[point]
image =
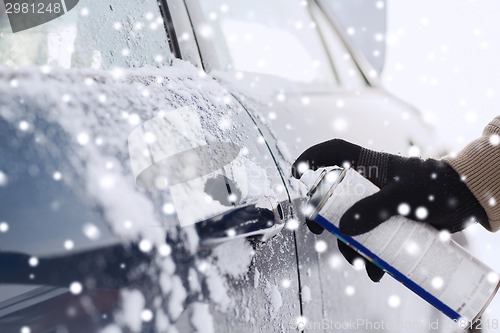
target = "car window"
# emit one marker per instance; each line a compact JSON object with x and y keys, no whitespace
{"x":43,"y":211}
{"x":270,"y":37}
{"x":93,"y":34}
{"x":348,"y":72}
{"x":365,"y":26}
{"x":66,"y":180}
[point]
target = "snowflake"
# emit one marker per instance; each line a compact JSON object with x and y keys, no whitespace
{"x":292,"y":224}
{"x":421,"y":213}
{"x":24,"y":125}
{"x":298,"y":25}
{"x":444,"y":235}
{"x":69,"y":244}
{"x":493,"y":277}
{"x":4,"y":227}
{"x":340,"y":124}
{"x":107,"y":182}
{"x":146,"y":315}
{"x":3,"y":178}
{"x":495,"y":139}
{"x":56,"y":176}
{"x":320,"y":246}
{"x":414,"y":151}
{"x":164,"y":250}
{"x":83,"y":138}
{"x":75,"y":288}
{"x":212,"y":16}
{"x":33,"y":261}
{"x":404,"y":209}
{"x":350,"y":290}
{"x":437,"y":282}
{"x":145,"y":245}
{"x":335,"y":261}
{"x":286,"y":283}
{"x":134,"y":119}
{"x":128,"y":224}
{"x":412,"y":247}
{"x":358,"y":264}
{"x":205,"y":31}
{"x":379,"y":37}
{"x":91,"y":231}
{"x":231,"y":232}
{"x":394,"y":301}
{"x":301,"y":322}
{"x":168,"y":208}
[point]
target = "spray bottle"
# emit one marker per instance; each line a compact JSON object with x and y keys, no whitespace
{"x":422,"y":258}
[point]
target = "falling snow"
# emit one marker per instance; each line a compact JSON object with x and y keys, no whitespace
{"x":320,"y":246}
{"x":350,"y":290}
{"x":394,"y":301}
{"x":91,"y":231}
{"x":404,"y":209}
{"x":437,"y":282}
{"x":69,"y":244}
{"x":33,"y":261}
{"x":494,"y":139}
{"x":75,"y":288}
{"x":421,"y":213}
{"x":4,"y":227}
{"x":146,"y":315}
{"x":292,"y":224}
{"x":145,"y":245}
{"x":3,"y":178}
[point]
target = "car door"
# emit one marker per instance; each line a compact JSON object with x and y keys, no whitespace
{"x":77,"y":223}
{"x":305,"y":105}
{"x":268,"y":297}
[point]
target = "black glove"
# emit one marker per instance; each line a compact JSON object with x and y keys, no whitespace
{"x":432,"y":190}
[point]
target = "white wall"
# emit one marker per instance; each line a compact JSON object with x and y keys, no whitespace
{"x":444,"y":57}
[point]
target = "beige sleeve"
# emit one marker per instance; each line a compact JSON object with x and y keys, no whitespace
{"x":479,"y":164}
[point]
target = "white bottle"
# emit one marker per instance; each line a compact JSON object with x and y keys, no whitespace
{"x":425,"y":260}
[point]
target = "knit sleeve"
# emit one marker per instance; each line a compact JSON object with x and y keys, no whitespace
{"x":479,"y":165}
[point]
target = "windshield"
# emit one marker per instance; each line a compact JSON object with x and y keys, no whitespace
{"x":82,"y":34}
{"x":278,"y":38}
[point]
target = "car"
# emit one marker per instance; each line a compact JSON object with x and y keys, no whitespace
{"x":97,"y":102}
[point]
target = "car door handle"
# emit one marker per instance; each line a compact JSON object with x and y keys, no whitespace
{"x":262,"y":220}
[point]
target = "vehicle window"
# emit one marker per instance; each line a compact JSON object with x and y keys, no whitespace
{"x":365,"y":25}
{"x":93,"y":34}
{"x":43,"y":212}
{"x":270,"y":37}
{"x":348,"y":72}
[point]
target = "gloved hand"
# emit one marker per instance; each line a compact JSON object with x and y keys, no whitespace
{"x":429,"y":190}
